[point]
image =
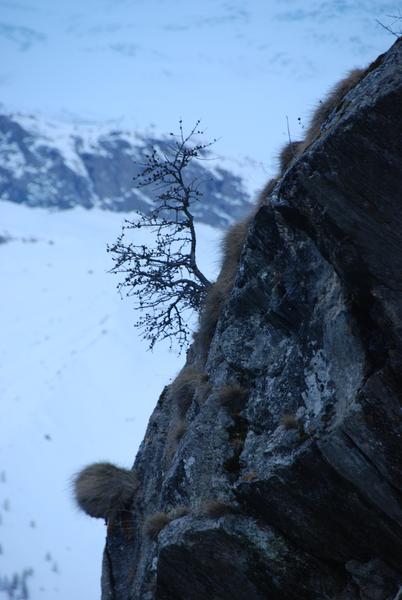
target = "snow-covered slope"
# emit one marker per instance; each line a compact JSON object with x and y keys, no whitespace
{"x":76,"y":385}
{"x":52,"y":164}
{"x":240,"y":67}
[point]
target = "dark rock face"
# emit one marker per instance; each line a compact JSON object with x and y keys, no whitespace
{"x":52,"y":166}
{"x":312,"y":330}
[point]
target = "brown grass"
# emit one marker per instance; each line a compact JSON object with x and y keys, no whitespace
{"x":265,"y":192}
{"x":159,"y":520}
{"x":290,"y":421}
{"x":233,"y":397}
{"x":232,"y":246}
{"x":155,"y":523}
{"x":179,"y":430}
{"x":182,"y":389}
{"x":179,"y":512}
{"x":250,"y":476}
{"x":217,"y":508}
{"x":102,"y":489}
{"x":288,"y":153}
{"x":332,"y":101}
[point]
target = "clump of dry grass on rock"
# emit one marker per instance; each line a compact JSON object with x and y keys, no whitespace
{"x":159,"y":520}
{"x":102,"y":489}
{"x":217,"y":508}
{"x":182,"y":389}
{"x":233,"y":397}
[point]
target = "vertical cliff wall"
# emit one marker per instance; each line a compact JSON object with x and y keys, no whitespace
{"x":273,"y":468}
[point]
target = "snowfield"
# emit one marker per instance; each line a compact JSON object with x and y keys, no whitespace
{"x":77,"y":385}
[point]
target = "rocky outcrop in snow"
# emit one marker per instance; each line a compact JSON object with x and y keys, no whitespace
{"x":58,"y":166}
{"x":285,"y":447}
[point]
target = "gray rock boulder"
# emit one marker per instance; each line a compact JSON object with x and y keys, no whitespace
{"x":285,"y":446}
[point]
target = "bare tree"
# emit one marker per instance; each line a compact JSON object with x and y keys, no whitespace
{"x":394,"y":27}
{"x":165,"y":279}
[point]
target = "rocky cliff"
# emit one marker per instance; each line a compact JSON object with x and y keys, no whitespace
{"x":272,"y":468}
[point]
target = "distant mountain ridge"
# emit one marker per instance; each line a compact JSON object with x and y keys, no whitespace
{"x":54,"y":165}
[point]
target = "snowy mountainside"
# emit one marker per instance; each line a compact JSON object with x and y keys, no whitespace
{"x":241,"y":68}
{"x":59,"y":165}
{"x":77,"y":385}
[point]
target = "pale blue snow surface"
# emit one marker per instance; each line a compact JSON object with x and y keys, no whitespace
{"x":77,"y":385}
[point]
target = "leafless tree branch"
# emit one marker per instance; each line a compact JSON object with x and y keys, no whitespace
{"x":390,"y":27}
{"x":164,"y":279}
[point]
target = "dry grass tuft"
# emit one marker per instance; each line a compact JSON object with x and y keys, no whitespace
{"x":233,"y":397}
{"x":182,"y":389}
{"x":179,"y":512}
{"x":217,"y":508}
{"x":232,"y":246}
{"x":155,"y":523}
{"x":331,"y":102}
{"x":179,"y":430}
{"x":103,"y":489}
{"x":288,"y":153}
{"x":159,"y":520}
{"x":290,"y":421}
{"x":250,"y":476}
